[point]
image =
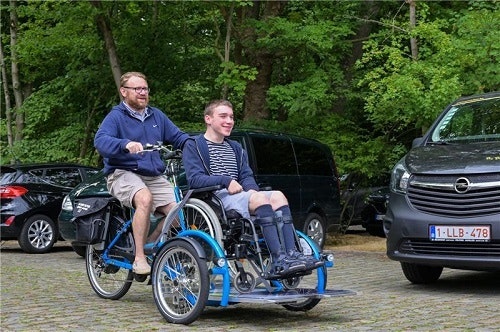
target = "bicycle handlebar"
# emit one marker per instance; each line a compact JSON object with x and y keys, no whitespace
{"x":169,"y":153}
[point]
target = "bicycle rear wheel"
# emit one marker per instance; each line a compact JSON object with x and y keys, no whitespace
{"x":108,"y":281}
{"x":180,"y":282}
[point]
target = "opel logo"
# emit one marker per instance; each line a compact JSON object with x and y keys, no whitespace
{"x":462,"y":185}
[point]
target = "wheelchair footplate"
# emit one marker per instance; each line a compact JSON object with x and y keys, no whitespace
{"x":285,"y":296}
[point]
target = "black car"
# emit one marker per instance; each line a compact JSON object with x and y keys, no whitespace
{"x":31,"y":196}
{"x":374,"y":212}
{"x":303,"y":169}
{"x":444,"y":206}
{"x":364,"y":201}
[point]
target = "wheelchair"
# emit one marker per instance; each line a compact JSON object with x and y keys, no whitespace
{"x":218,"y":258}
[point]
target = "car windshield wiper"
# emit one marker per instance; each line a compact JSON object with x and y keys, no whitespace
{"x":438,"y":143}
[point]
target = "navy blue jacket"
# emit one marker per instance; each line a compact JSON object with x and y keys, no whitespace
{"x":119,"y":128}
{"x":196,"y":161}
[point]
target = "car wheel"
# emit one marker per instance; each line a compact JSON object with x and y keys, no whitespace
{"x":314,"y":227}
{"x":421,"y":274}
{"x":80,"y":250}
{"x":38,"y":235}
{"x":375,"y":230}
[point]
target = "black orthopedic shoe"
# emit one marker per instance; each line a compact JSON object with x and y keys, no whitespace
{"x":283,"y":267}
{"x":310,"y":262}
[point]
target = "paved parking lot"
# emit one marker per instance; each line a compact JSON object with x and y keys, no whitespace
{"x":51,"y":293}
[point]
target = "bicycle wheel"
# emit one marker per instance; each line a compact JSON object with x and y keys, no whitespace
{"x":108,"y":281}
{"x":302,"y":283}
{"x":180,"y":282}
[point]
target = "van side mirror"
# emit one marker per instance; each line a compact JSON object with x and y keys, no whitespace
{"x":417,"y":142}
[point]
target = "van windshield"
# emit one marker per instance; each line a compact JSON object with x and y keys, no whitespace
{"x":475,"y":120}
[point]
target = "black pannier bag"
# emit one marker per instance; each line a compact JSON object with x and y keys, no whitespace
{"x":89,"y":216}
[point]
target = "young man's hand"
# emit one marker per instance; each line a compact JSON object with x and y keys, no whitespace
{"x":234,"y":187}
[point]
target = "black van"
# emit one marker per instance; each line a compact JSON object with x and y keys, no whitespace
{"x":304,"y":170}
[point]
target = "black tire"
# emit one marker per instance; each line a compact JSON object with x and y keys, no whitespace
{"x":308,"y":281}
{"x":375,"y":230}
{"x":314,"y":227}
{"x":38,"y":235}
{"x":79,"y":249}
{"x":198,"y":215}
{"x":108,"y":281}
{"x":180,"y":282}
{"x":421,"y":274}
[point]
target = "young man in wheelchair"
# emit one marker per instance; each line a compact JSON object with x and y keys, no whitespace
{"x":212,"y":159}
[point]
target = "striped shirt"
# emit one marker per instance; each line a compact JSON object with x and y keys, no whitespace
{"x":222,"y":159}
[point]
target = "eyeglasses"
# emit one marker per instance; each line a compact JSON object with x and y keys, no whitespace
{"x":138,"y":89}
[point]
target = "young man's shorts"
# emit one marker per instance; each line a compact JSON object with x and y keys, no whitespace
{"x":125,"y":184}
{"x":238,"y":202}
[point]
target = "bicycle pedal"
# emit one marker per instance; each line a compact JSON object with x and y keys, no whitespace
{"x":141,"y":278}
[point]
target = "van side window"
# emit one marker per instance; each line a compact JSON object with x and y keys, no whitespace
{"x":274,"y":156}
{"x":312,"y":160}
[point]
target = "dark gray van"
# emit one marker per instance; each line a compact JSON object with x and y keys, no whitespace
{"x":444,"y":205}
{"x":304,"y":170}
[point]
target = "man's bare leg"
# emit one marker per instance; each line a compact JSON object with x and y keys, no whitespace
{"x":157,"y":231}
{"x":140,"y":227}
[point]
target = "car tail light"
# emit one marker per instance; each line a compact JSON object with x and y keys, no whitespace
{"x":9,"y":220}
{"x":12,"y":191}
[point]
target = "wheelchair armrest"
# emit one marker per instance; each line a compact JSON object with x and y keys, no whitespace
{"x":205,"y":189}
{"x":266,"y":188}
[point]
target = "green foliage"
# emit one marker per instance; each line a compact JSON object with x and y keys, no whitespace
{"x":235,"y":76}
{"x":404,"y":93}
{"x":178,"y":45}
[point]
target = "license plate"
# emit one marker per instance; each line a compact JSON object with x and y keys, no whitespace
{"x":460,"y":233}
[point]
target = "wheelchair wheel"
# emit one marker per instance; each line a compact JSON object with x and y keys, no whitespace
{"x":180,"y":282}
{"x":197,"y":215}
{"x":309,"y":281}
{"x":108,"y":281}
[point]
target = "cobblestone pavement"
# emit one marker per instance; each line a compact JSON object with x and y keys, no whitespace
{"x":51,"y":293}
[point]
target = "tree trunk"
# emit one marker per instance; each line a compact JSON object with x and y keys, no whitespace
{"x":16,"y":84}
{"x":8,"y":106}
{"x":256,"y":91}
{"x":413,"y":22}
{"x":105,"y":29}
{"x":370,"y":9}
{"x":228,"y":17}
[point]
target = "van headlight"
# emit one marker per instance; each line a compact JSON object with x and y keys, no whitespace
{"x":400,"y":177}
{"x":66,"y":204}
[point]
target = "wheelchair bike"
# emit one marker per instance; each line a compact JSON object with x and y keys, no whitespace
{"x":204,"y":256}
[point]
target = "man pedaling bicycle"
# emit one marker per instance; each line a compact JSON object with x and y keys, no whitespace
{"x":212,"y":159}
{"x":136,"y":179}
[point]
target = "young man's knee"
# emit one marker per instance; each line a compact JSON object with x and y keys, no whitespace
{"x":259,"y":198}
{"x":278,"y":198}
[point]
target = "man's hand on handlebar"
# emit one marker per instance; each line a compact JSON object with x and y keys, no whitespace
{"x":134,"y":147}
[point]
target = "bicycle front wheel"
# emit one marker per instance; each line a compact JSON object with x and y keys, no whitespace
{"x":108,"y":281}
{"x":180,"y":282}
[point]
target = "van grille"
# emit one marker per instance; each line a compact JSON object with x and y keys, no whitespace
{"x":438,"y":195}
{"x":470,"y":249}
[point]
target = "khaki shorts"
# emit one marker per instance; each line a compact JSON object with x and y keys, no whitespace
{"x":125,"y":184}
{"x":238,"y":202}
